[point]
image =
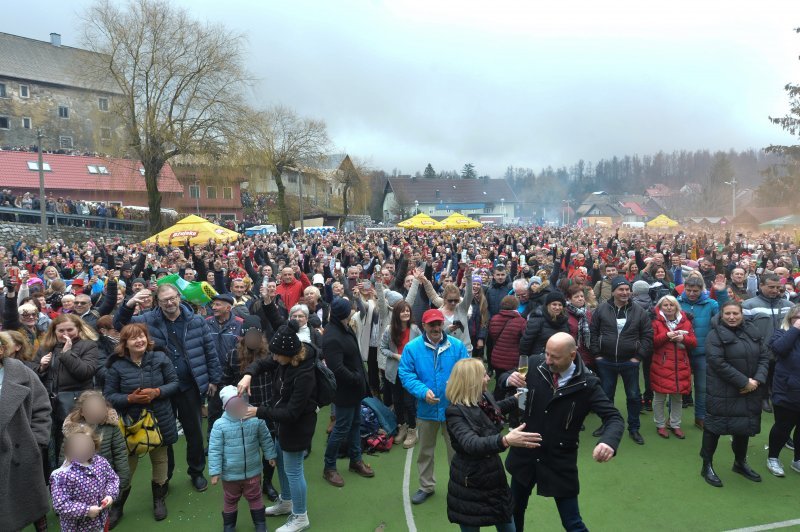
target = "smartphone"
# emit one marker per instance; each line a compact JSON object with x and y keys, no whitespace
{"x":377,"y":268}
{"x":338,"y":265}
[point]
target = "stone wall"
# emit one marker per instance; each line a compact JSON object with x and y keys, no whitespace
{"x":12,"y":232}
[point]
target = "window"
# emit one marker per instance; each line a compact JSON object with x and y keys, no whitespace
{"x":103,"y":170}
{"x":63,"y":111}
{"x":225,"y":217}
{"x":26,"y":122}
{"x":306,"y":180}
{"x":24,"y":92}
{"x":211,"y":192}
{"x":4,"y":122}
{"x":65,"y":142}
{"x":3,"y":90}
{"x":292,"y":178}
{"x":92,"y":169}
{"x":141,"y":170}
{"x":33,"y":165}
{"x":105,"y":133}
{"x":438,"y":193}
{"x":103,"y":104}
{"x":227,"y":192}
{"x":194,"y":191}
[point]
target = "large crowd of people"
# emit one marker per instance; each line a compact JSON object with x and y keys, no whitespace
{"x":494,"y":340}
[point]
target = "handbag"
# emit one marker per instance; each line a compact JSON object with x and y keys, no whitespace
{"x":142,"y":435}
{"x":62,"y":403}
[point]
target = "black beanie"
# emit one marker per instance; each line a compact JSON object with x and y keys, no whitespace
{"x":555,"y":296}
{"x":251,"y":322}
{"x":285,"y":341}
{"x":340,"y":309}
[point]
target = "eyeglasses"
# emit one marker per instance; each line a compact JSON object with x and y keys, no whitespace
{"x":28,"y":315}
{"x":172,"y":299}
{"x":81,"y":302}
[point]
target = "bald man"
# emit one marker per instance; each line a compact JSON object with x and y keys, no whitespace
{"x":561,"y":393}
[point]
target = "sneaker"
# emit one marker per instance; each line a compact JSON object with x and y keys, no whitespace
{"x":295,"y":523}
{"x":420,"y":496}
{"x":402,"y":432}
{"x":411,"y":439}
{"x":281,"y":507}
{"x":775,"y":467}
{"x":796,"y":466}
{"x":789,"y":445}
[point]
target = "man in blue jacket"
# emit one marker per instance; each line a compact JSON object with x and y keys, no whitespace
{"x":187,"y":341}
{"x":226,"y":328}
{"x":425,"y":367}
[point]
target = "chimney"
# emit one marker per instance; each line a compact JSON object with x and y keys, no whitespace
{"x":55,"y":39}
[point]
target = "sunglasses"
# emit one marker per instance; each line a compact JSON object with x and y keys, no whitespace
{"x":28,"y":315}
{"x":453,"y":300}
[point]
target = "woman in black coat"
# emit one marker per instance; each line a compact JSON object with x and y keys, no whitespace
{"x":738,"y":360}
{"x":138,"y":378}
{"x":544,"y":323}
{"x":478,"y":493}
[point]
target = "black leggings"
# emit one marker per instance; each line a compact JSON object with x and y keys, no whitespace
{"x":405,"y":406}
{"x":373,"y":375}
{"x":785,"y":420}
{"x":710,"y":441}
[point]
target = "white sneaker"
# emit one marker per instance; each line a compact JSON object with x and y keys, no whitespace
{"x":796,"y":466}
{"x":295,"y":523}
{"x":775,"y":467}
{"x":280,"y":507}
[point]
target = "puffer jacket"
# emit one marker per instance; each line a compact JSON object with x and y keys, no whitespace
{"x":766,"y":314}
{"x":156,"y":371}
{"x":204,"y":362}
{"x":671,"y":371}
{"x":235,"y":447}
{"x":478,"y":493}
{"x":786,"y":382}
{"x":702,"y":310}
{"x":424,"y":367}
{"x":505,"y":332}
{"x":634,"y":340}
{"x":225,"y":335}
{"x":539,"y":329}
{"x":733,"y":357}
{"x":112,"y":446}
{"x":494,"y":293}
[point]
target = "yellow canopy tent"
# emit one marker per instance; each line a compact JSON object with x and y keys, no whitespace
{"x":197,"y":230}
{"x":662,"y":220}
{"x":459,"y":221}
{"x":421,"y":221}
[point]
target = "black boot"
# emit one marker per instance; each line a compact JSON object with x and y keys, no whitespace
{"x":115,"y":514}
{"x":259,"y":520}
{"x":711,"y":477}
{"x":229,"y":521}
{"x":266,"y":484}
{"x":159,"y":504}
{"x":744,"y":469}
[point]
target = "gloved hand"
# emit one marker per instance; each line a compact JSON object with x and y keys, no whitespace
{"x":151,"y":393}
{"x":138,"y":398}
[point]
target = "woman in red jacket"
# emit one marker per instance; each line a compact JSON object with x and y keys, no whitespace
{"x":505,"y":333}
{"x":670,"y":372}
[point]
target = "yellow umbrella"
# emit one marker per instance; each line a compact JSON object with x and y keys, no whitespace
{"x":197,"y":230}
{"x":459,"y":221}
{"x":421,"y":221}
{"x":662,"y":220}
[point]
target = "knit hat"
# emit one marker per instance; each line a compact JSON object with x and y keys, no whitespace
{"x":285,"y":341}
{"x":251,"y":323}
{"x":228,"y":393}
{"x":641,"y":287}
{"x":618,"y":281}
{"x":477,"y":279}
{"x":536,"y":280}
{"x":552,"y":297}
{"x":340,"y":308}
{"x":392,"y":297}
{"x":139,"y":280}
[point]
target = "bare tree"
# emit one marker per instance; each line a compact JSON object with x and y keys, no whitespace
{"x":278,"y":139}
{"x":350,"y":177}
{"x":182,"y":81}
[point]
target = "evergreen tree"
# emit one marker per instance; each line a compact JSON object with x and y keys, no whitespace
{"x":429,"y":172}
{"x":468,"y":172}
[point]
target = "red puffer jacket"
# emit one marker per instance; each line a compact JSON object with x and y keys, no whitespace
{"x":505,"y":331}
{"x":670,"y":371}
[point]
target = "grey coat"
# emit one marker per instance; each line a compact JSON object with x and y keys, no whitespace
{"x":388,"y":350}
{"x":24,"y":429}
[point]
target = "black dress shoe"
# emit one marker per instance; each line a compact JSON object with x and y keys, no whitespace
{"x":744,"y":469}
{"x":710,"y":476}
{"x":599,"y":431}
{"x":200,"y":483}
{"x":637,"y":438}
{"x":269,"y":490}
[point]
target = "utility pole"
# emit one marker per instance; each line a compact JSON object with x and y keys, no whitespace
{"x":300,"y":189}
{"x":42,"y":199}
{"x":733,"y":183}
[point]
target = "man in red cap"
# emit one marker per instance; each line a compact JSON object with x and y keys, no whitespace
{"x":425,"y":367}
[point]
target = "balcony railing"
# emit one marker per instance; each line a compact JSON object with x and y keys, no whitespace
{"x":27,"y":216}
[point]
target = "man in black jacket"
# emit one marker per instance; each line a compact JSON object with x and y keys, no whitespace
{"x":621,"y":337}
{"x":561,"y":393}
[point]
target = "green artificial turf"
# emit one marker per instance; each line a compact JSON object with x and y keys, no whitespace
{"x":652,"y":487}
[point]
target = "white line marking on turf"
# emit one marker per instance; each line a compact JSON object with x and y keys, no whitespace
{"x":768,"y":526}
{"x":412,"y":527}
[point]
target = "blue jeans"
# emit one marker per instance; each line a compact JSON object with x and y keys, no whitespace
{"x":505,"y":527}
{"x":568,"y":509}
{"x":347,"y":428}
{"x":629,"y":371}
{"x":293,"y":478}
{"x":698,"y":364}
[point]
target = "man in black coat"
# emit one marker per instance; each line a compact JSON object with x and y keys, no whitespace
{"x":561,"y":393}
{"x":621,"y":338}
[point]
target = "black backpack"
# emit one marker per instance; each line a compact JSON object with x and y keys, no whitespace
{"x":326,"y":383}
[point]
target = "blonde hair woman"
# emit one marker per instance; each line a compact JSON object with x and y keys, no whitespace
{"x":478,"y":493}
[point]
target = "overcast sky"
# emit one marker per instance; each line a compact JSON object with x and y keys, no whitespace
{"x":524,"y":83}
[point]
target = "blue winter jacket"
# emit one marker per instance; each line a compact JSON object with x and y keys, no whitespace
{"x":424,"y":367}
{"x":235,"y":447}
{"x":225,"y":335}
{"x":786,"y":383}
{"x":198,"y":342}
{"x":702,"y":311}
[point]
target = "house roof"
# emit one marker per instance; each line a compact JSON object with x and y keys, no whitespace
{"x":761,"y":214}
{"x":30,"y":59}
{"x":635,"y":208}
{"x":658,"y":190}
{"x":71,"y":172}
{"x":450,"y":190}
